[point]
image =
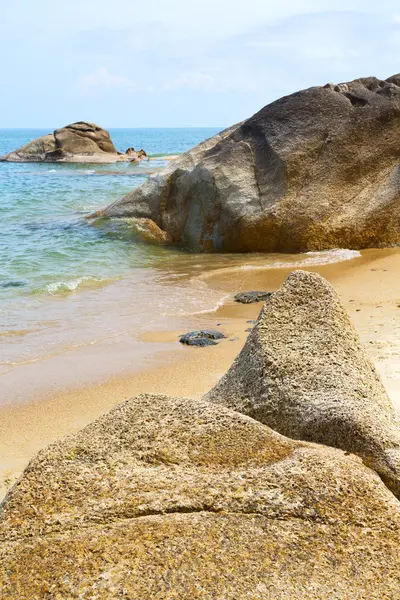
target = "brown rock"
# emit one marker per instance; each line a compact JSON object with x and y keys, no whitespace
{"x":79,"y":142}
{"x":174,"y":498}
{"x":314,"y":170}
{"x":304,"y":372}
{"x":150,"y":232}
{"x":35,"y":151}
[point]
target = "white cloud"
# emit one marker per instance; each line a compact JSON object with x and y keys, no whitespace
{"x":102,"y":79}
{"x":265,"y":44}
{"x":227,"y":76}
{"x":213,"y":62}
{"x":194,"y":80}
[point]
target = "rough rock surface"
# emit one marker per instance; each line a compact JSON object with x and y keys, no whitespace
{"x":78,"y":142}
{"x":304,"y":372}
{"x":315,"y":170}
{"x":173,"y":498}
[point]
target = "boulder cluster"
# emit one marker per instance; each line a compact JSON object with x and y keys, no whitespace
{"x":282,"y":483}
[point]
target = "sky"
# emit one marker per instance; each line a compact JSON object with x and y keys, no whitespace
{"x":181,"y":63}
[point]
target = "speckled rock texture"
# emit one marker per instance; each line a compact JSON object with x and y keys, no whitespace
{"x":314,"y":170}
{"x":304,"y":372}
{"x":168,"y":498}
{"x":77,"y":142}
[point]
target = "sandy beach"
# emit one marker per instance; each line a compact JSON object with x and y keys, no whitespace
{"x":369,"y":289}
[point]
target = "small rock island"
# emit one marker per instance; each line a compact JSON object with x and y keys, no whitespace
{"x":79,"y":142}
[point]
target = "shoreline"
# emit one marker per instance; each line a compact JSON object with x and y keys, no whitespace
{"x":367,"y":286}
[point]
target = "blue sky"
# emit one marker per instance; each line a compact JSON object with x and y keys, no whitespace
{"x":182,"y":63}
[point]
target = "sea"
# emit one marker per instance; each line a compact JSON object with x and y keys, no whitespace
{"x":68,"y":284}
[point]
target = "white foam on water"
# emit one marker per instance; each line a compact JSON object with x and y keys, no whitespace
{"x":59,"y":287}
{"x":211,"y":308}
{"x":324,"y":257}
{"x":198,"y":298}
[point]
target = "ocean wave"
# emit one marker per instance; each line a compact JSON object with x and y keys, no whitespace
{"x":324,"y":257}
{"x":309,"y":259}
{"x":62,"y":287}
{"x":198,"y":311}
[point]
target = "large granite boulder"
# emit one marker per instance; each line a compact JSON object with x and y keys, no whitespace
{"x":304,"y":372}
{"x":173,"y":498}
{"x":78,"y":142}
{"x":314,"y":170}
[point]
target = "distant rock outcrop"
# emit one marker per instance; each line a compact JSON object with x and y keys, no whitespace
{"x":135,"y":155}
{"x":78,"y":142}
{"x":318,"y":169}
{"x":174,"y":498}
{"x":304,"y":372}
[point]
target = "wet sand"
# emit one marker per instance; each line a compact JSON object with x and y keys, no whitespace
{"x":370,"y":290}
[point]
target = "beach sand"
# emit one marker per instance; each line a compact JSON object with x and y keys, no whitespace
{"x":369,"y":288}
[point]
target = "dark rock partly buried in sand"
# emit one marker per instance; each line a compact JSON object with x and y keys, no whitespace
{"x":251,"y":297}
{"x":314,"y":170}
{"x":304,"y":372}
{"x":183,"y":499}
{"x":78,"y":142}
{"x":201,"y":338}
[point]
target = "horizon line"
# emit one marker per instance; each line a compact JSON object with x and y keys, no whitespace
{"x":141,"y":127}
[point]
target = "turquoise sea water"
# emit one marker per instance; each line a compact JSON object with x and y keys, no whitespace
{"x":76,"y":297}
{"x":46,"y":244}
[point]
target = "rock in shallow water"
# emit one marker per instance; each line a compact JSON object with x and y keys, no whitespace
{"x":177,"y":498}
{"x":77,"y":142}
{"x":314,"y":170}
{"x":251,"y":297}
{"x":201,"y":338}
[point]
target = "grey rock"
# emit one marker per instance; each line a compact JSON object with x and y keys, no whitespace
{"x":174,"y":498}
{"x":202,"y":337}
{"x":12,"y":284}
{"x":251,"y":297}
{"x":314,"y":170}
{"x":304,"y":372}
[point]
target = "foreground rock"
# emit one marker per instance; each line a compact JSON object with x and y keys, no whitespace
{"x":311,"y":171}
{"x":78,"y":142}
{"x":203,"y":337}
{"x":303,"y":371}
{"x":174,"y":498}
